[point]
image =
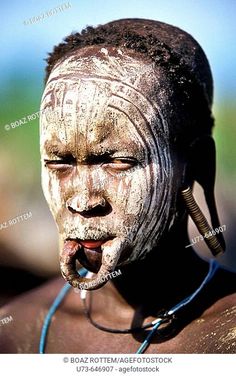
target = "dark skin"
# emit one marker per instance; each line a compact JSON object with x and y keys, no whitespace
{"x":136,"y":296}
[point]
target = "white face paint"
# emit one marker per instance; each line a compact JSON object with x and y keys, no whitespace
{"x":108,"y":173}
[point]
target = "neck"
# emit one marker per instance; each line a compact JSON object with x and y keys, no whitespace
{"x":168,"y":274}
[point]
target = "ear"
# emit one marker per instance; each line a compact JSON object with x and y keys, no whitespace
{"x":202,"y":164}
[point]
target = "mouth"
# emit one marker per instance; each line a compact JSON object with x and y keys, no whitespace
{"x":99,"y":256}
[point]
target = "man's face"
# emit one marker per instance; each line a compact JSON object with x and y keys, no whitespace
{"x":106,"y":166}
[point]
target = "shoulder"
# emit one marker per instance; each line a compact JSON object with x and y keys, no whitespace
{"x":215,"y":330}
{"x":222,"y":324}
{"x":21,"y":320}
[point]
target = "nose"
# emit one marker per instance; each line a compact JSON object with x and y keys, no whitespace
{"x":88,"y":197}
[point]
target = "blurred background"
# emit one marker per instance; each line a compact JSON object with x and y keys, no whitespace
{"x":29,"y":246}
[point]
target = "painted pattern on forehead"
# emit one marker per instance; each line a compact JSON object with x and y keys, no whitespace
{"x":116,"y":76}
{"x":114,"y":88}
{"x":95,"y":130}
{"x":83,"y":105}
{"x":57,"y":110}
{"x":122,"y":70}
{"x":94,"y":98}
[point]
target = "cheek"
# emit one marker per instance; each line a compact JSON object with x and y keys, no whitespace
{"x":129,"y":194}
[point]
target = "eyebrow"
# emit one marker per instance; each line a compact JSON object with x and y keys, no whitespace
{"x":56,"y":148}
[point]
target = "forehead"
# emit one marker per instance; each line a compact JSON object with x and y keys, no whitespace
{"x":105,"y":73}
{"x":85,"y":113}
{"x":96,"y":100}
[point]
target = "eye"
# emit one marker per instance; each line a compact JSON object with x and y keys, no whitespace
{"x":120,"y":164}
{"x":61,"y":165}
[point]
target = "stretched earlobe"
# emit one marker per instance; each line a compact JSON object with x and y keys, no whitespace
{"x":201,"y":223}
{"x":201,"y":167}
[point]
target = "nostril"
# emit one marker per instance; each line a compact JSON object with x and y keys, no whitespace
{"x":99,"y":210}
{"x":71,"y":209}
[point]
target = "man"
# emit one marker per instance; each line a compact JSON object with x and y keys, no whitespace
{"x":125,"y":131}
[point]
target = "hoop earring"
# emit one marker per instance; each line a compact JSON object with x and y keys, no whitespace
{"x":201,"y":222}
